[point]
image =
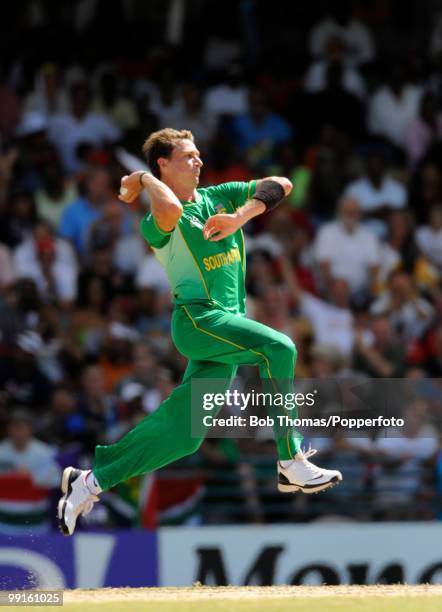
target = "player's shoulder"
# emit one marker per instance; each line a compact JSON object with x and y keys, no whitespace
{"x":207,"y":192}
{"x":221,"y":187}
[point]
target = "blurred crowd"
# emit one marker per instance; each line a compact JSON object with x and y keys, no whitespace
{"x":349,"y":266}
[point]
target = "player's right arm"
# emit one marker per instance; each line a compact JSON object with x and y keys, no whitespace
{"x":165,"y":206}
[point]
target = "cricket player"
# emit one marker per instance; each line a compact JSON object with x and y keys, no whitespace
{"x":197,"y":236}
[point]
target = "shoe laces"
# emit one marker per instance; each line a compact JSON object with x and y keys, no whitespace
{"x":304,"y":456}
{"x":309,"y":452}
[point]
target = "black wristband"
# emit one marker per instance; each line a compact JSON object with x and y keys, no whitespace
{"x":141,"y":178}
{"x":269,"y":193}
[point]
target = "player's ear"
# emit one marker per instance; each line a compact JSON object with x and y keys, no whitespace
{"x":162,"y":162}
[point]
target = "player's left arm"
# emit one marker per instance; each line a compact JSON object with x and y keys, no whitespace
{"x":285,"y":183}
{"x":269,"y":192}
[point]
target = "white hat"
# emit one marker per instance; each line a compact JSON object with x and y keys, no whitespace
{"x":31,"y":123}
{"x":131,"y":390}
{"x":123,"y":332}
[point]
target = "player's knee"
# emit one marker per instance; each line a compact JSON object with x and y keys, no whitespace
{"x":286,"y":348}
{"x":192,"y":445}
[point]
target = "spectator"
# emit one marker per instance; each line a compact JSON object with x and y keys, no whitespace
{"x":97,"y":408}
{"x":424,"y":130}
{"x":409,"y":313}
{"x":55,"y":193}
{"x":8,"y":160}
{"x":19,"y":219}
{"x":64,"y":425}
{"x":434,"y":82}
{"x":80,"y":126}
{"x":164,"y":385}
{"x":230,"y":96}
{"x":150,"y":274}
{"x":153,"y":313}
{"x":429,"y":237}
{"x":433,"y":364}
{"x":194,"y":116}
{"x":402,"y":454}
{"x":425,"y":190}
{"x":272,"y":307}
{"x":28,"y":472}
{"x":357,"y":259}
{"x":7,"y":274}
{"x":10,"y":107}
{"x":315,"y":79}
{"x":376,"y":191}
{"x":109,"y":102}
{"x":108,"y":232}
{"x":291,"y":235}
{"x":131,"y":412}
{"x":259,"y":130}
{"x":100,"y":264}
{"x":21,"y":380}
{"x":394,"y":251}
{"x":394,"y":106}
{"x":426,"y":346}
{"x":355,"y":35}
{"x":51,"y":264}
{"x":435,"y":46}
{"x":401,"y":251}
{"x":287,"y":164}
{"x":35,"y":151}
{"x":115,"y":358}
{"x":143,"y":373}
{"x":89,"y":321}
{"x":354,"y":456}
{"x":20,"y":310}
{"x":335,"y":106}
{"x":79,"y":215}
{"x":378,"y":351}
{"x":147,"y":121}
{"x":47,"y":97}
{"x":328,"y":157}
{"x":165,"y":103}
{"x":224,"y":164}
{"x":332,"y":321}
{"x":325,"y":361}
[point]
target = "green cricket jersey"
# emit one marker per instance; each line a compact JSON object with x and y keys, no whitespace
{"x":200,"y":270}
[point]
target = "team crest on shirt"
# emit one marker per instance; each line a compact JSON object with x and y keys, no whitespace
{"x":194,"y":222}
{"x":220,"y":208}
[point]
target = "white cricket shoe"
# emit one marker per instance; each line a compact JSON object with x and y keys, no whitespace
{"x":77,"y":499}
{"x":301,"y":475}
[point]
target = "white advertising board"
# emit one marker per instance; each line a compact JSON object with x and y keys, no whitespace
{"x":353,"y":553}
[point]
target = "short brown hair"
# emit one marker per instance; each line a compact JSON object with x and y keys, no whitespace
{"x":161,"y":144}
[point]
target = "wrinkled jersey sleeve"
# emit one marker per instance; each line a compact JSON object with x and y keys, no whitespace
{"x":152,"y":233}
{"x":236,"y":192}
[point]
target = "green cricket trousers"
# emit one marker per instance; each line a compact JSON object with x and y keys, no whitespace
{"x":216,"y":342}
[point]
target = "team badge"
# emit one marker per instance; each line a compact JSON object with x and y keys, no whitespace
{"x":196,"y":223}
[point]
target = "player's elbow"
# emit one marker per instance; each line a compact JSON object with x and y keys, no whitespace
{"x":168,"y":216}
{"x":285,"y":183}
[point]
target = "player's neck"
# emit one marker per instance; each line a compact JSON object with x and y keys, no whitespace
{"x":184,"y":194}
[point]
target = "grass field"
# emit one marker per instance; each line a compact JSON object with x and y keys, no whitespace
{"x":397,"y":598}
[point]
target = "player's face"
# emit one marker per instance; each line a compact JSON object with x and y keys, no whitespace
{"x":184,"y":163}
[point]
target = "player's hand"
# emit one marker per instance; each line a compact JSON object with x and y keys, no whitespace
{"x":219,"y":226}
{"x":130,"y":187}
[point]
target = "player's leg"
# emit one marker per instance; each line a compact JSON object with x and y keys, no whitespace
{"x":162,"y":437}
{"x":234,"y":339}
{"x":237,"y":340}
{"x":165,"y":435}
